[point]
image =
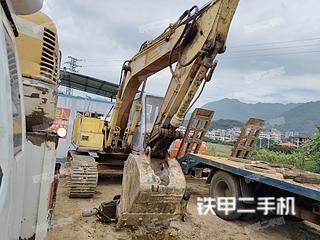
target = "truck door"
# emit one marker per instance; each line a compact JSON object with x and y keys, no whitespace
{"x":11,"y":135}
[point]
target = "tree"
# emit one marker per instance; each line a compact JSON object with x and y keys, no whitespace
{"x":312,"y":147}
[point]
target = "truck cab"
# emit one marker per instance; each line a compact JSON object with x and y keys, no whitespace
{"x":12,"y":125}
{"x":26,"y":164}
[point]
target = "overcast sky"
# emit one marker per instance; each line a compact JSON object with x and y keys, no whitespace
{"x":272,"y":55}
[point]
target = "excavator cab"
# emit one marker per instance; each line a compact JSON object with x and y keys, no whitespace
{"x":88,"y":130}
{"x":150,"y":108}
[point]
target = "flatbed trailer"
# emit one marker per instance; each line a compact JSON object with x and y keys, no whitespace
{"x":243,"y":181}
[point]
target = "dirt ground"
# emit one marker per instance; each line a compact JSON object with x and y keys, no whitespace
{"x":70,"y":225}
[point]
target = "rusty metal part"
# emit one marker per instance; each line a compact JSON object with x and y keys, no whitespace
{"x":247,"y":140}
{"x":152,"y":191}
{"x":40,"y":104}
{"x":108,"y":169}
{"x":38,"y":138}
{"x":160,"y":150}
{"x":82,"y":178}
{"x":197,"y":128}
{"x":107,"y":211}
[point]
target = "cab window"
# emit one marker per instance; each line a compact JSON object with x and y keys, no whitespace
{"x":153,"y":105}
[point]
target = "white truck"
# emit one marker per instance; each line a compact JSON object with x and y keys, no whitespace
{"x":27,"y":161}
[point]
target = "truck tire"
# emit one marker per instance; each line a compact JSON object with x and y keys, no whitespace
{"x":224,"y":184}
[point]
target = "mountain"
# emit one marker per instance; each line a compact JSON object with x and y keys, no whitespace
{"x":299,"y":117}
{"x":236,"y":110}
{"x":225,"y":124}
{"x":302,"y":118}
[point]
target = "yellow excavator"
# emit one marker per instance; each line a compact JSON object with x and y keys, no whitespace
{"x":153,"y":185}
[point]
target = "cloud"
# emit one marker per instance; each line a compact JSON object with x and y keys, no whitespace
{"x":272,"y":54}
{"x":264,"y":25}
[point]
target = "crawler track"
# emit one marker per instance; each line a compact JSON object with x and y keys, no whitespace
{"x":82,"y":177}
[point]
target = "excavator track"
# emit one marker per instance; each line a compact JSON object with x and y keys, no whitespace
{"x":82,"y":177}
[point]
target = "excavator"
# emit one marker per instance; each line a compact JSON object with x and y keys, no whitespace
{"x":153,"y":185}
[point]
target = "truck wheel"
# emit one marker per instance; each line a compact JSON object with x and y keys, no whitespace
{"x":226,"y":185}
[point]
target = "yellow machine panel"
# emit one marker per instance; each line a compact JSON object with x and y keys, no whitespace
{"x":87,"y":133}
{"x":38,"y":47}
{"x":39,"y":60}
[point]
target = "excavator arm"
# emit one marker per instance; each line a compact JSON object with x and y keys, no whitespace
{"x":192,"y":43}
{"x":153,"y":186}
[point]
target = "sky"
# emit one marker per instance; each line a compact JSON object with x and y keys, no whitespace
{"x":273,"y":47}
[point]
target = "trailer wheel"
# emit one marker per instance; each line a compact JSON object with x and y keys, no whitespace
{"x":224,"y":184}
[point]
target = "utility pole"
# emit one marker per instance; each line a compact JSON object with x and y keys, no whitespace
{"x":72,"y":66}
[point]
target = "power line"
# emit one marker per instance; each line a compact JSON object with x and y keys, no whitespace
{"x":102,"y":59}
{"x":277,"y":42}
{"x":239,"y":51}
{"x":274,"y":48}
{"x":73,"y":66}
{"x":273,"y":54}
{"x":238,"y":56}
{"x":240,"y":46}
{"x":107,"y":59}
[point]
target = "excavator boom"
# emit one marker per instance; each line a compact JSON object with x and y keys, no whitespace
{"x":153,"y":186}
{"x":192,"y":42}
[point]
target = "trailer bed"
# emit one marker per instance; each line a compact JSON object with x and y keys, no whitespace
{"x":277,"y":180}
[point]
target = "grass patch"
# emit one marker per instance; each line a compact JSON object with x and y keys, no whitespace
{"x":297,"y":159}
{"x":219,"y":150}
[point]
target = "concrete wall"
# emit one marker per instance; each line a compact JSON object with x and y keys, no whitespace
{"x":78,"y":104}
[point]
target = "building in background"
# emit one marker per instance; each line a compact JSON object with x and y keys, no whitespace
{"x":93,"y":95}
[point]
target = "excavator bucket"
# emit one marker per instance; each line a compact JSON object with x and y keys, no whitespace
{"x":152,"y":193}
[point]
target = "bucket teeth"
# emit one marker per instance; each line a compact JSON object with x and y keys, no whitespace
{"x":152,"y":191}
